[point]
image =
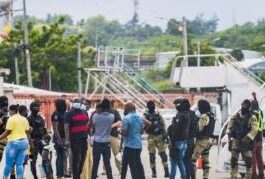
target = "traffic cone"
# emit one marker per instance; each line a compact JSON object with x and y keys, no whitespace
{"x":199,"y":163}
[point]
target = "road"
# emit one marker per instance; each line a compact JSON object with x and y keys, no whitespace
{"x":145,"y":161}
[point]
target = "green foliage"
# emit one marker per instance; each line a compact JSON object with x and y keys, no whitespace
{"x":247,"y":36}
{"x":98,"y":30}
{"x":49,"y":49}
{"x":262,"y":76}
{"x":237,"y":54}
{"x":198,"y":26}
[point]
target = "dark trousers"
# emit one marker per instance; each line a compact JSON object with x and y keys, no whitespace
{"x":132,"y":157}
{"x":104,"y":150}
{"x":257,"y":160}
{"x":34,"y":156}
{"x":190,"y":168}
{"x":60,"y":152}
{"x":79,"y":149}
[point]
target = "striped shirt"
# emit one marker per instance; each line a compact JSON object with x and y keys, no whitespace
{"x":77,"y":121}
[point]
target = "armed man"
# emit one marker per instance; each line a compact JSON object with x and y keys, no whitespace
{"x":190,"y":169}
{"x":156,"y":138}
{"x":37,"y":124}
{"x":205,"y":131}
{"x":242,"y":130}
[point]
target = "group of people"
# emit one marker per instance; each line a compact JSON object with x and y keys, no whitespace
{"x":81,"y":136}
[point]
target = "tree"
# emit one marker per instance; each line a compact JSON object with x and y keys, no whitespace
{"x":237,"y":54}
{"x":55,"y":17}
{"x":50,"y":49}
{"x":198,"y":26}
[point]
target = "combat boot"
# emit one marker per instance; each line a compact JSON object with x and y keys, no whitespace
{"x":166,"y":172}
{"x":154,"y":173}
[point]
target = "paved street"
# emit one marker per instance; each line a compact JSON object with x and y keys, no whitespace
{"x":145,"y":161}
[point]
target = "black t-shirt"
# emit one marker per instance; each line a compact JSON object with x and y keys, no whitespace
{"x":38,"y":126}
{"x":180,"y":126}
{"x":60,"y":118}
{"x":117,"y":117}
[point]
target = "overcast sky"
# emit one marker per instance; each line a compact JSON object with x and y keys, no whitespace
{"x":229,"y":11}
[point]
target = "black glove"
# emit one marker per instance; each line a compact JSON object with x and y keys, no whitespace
{"x":165,"y":138}
{"x":246,"y":140}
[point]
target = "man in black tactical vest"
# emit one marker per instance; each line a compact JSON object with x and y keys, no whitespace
{"x":37,"y":125}
{"x":206,"y":126}
{"x":190,"y":169}
{"x":156,"y":138}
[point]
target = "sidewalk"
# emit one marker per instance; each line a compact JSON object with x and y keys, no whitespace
{"x":145,"y":161}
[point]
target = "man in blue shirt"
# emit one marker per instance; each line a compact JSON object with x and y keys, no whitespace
{"x":132,"y":127}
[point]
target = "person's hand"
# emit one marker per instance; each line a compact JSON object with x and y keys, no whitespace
{"x":246,"y":140}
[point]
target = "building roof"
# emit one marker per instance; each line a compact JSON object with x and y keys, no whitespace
{"x":30,"y":90}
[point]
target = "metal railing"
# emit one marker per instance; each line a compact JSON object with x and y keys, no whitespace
{"x":146,"y":86}
{"x":232,"y":61}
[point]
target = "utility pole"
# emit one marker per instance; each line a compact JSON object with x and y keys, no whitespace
{"x":198,"y":53}
{"x":16,"y":54}
{"x":26,"y":44}
{"x":79,"y":65}
{"x":185,"y":41}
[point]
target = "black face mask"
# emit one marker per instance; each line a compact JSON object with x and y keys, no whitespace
{"x":35,"y":111}
{"x":179,"y":108}
{"x":244,"y":111}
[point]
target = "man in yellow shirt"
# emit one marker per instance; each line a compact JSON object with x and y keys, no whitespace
{"x":16,"y":132}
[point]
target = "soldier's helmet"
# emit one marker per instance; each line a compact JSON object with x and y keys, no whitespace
{"x":204,"y":106}
{"x":150,"y":105}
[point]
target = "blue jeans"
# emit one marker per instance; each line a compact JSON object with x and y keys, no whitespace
{"x":15,"y":153}
{"x":60,"y":151}
{"x":180,"y":147}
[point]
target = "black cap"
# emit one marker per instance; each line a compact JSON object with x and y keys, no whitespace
{"x":3,"y":101}
{"x":178,"y":101}
{"x":34,"y":104}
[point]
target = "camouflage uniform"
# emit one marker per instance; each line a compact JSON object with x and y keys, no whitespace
{"x":203,"y":143}
{"x":237,"y":146}
{"x":2,"y":130}
{"x":156,"y":140}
